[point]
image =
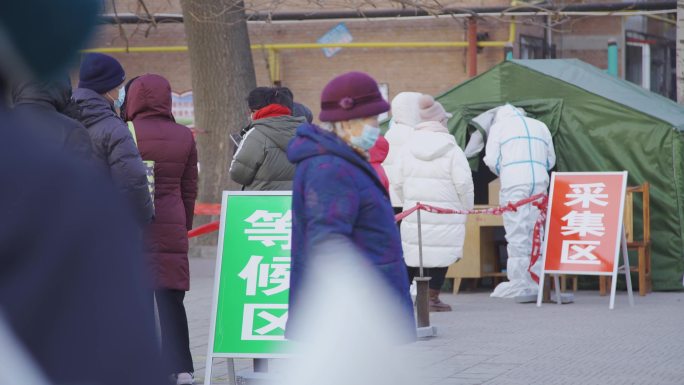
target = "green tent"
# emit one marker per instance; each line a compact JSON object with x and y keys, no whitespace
{"x":598,"y":123}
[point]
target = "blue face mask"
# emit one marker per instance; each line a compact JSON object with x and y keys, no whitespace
{"x":367,"y":138}
{"x":122,"y":96}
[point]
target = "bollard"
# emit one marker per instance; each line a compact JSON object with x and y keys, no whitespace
{"x":422,"y":292}
{"x":423,"y":302}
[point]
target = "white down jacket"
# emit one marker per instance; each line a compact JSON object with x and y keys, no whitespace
{"x":433,"y":170}
{"x":405,"y":116}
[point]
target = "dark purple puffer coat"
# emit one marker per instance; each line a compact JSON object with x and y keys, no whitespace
{"x":172,"y":147}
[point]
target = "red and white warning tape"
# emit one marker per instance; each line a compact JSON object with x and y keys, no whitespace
{"x":539,"y":200}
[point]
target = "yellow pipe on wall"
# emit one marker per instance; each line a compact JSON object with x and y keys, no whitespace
{"x":277,"y":47}
{"x":274,"y":57}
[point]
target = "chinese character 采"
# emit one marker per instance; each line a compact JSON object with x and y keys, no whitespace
{"x":587,"y":193}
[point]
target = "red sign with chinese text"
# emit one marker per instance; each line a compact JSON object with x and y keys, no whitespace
{"x":584,"y":222}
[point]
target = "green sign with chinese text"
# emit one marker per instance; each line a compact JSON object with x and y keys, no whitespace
{"x":252,"y":275}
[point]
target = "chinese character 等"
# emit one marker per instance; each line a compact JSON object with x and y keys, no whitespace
{"x":269,"y":228}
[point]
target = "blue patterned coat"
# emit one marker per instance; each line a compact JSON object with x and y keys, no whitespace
{"x":337,"y":194}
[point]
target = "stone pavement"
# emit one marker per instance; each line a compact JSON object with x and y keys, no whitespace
{"x":494,"y":341}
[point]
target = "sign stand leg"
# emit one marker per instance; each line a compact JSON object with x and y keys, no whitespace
{"x":628,"y":271}
{"x":260,"y":365}
{"x":540,"y":294}
{"x":230,"y":363}
{"x":556,"y":284}
{"x":613,"y":286}
{"x":207,"y":370}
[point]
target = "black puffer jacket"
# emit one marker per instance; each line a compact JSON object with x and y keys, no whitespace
{"x":115,"y":151}
{"x":42,"y":105}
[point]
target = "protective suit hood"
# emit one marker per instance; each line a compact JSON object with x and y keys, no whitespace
{"x":484,"y":122}
{"x":507,"y":111}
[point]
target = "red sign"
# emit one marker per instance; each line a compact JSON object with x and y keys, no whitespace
{"x":584,"y":222}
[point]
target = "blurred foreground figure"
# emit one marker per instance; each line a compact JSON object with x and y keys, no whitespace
{"x":72,"y":284}
{"x":49,"y":110}
{"x":337,"y":194}
{"x":348,"y":333}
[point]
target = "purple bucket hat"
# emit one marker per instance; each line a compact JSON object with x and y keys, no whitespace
{"x":353,"y":95}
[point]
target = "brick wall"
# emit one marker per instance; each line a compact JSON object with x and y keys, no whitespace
{"x":427,"y":70}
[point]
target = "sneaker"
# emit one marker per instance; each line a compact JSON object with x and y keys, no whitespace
{"x":185,"y":379}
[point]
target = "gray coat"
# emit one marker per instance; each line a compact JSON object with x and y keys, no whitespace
{"x":115,"y":151}
{"x":260,"y":162}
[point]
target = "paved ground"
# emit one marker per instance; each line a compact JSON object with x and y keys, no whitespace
{"x":492,"y":341}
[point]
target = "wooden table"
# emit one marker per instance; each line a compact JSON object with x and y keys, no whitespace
{"x":480,"y":254}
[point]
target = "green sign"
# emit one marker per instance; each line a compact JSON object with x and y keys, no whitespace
{"x":252,"y":278}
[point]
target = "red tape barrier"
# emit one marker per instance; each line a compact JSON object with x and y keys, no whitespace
{"x":492,"y":210}
{"x":540,"y":201}
{"x":204,"y":229}
{"x":207,"y":209}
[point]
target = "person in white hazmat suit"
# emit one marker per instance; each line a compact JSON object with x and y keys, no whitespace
{"x":520,"y":151}
{"x":405,"y":117}
{"x":433,"y":170}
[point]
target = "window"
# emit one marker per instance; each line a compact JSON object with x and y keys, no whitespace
{"x":532,"y":47}
{"x":650,"y":63}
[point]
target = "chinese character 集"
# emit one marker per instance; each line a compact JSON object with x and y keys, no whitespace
{"x":583,"y":223}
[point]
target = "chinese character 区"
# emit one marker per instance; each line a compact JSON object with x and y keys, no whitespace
{"x":580,"y":252}
{"x":273,"y":330}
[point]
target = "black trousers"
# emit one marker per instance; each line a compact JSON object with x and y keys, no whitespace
{"x":438,"y":274}
{"x":175,"y":339}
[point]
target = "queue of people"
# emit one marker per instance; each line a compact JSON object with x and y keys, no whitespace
{"x":118,"y":130}
{"x":347,"y":180}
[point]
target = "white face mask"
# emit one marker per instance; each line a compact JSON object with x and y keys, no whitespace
{"x":122,"y":96}
{"x":368,"y":137}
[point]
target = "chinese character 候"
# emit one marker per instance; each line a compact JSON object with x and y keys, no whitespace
{"x":269,"y":228}
{"x":273,"y":276}
{"x":587,"y":193}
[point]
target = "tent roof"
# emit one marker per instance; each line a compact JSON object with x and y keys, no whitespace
{"x":596,"y":81}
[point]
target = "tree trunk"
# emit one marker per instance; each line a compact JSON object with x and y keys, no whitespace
{"x":222,"y":76}
{"x":680,"y":51}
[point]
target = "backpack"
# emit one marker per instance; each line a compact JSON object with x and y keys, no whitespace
{"x":149,"y":164}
